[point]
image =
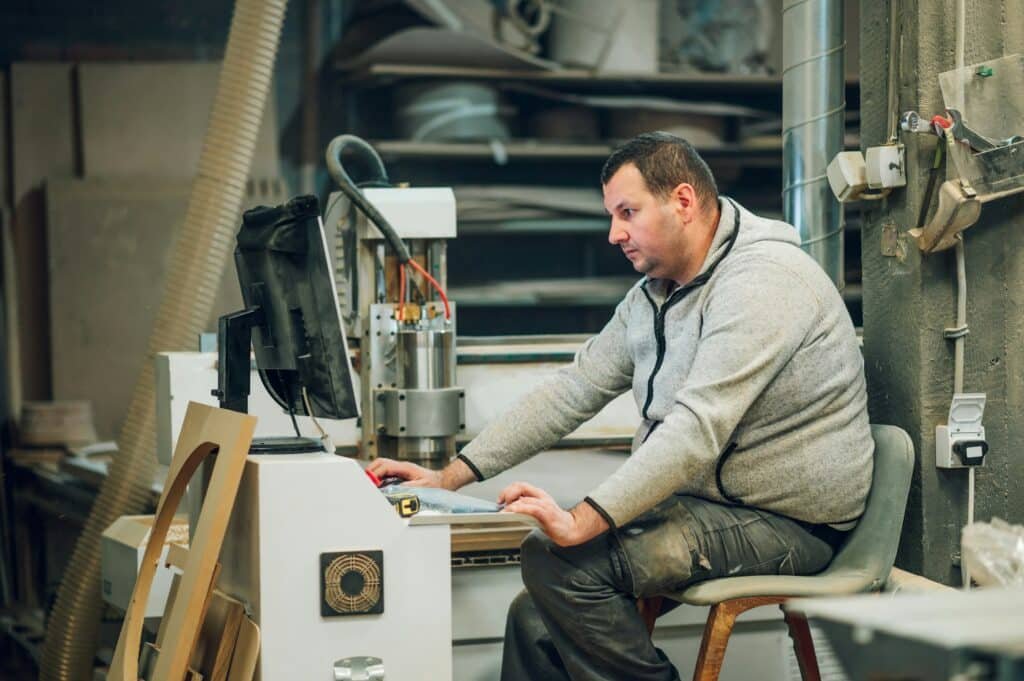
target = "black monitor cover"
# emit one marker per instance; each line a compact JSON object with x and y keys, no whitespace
{"x":284,"y":270}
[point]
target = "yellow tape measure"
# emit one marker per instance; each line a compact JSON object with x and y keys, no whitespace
{"x":405,"y":503}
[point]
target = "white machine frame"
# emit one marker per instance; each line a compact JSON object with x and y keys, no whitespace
{"x":291,"y":509}
{"x":473,"y":619}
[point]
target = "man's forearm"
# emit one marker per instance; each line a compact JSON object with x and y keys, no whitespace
{"x":456,"y":474}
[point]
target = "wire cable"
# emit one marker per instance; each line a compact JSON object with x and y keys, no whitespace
{"x":325,"y":439}
{"x":338,"y":146}
{"x":400,"y":314}
{"x":958,"y":374}
{"x":437,"y":287}
{"x":348,"y":143}
{"x":961,"y":271}
{"x":291,"y":407}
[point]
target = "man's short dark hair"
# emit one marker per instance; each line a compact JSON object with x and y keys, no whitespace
{"x":664,"y":161}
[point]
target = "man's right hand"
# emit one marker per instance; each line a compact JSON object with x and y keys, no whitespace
{"x":411,"y":474}
{"x":455,"y":475}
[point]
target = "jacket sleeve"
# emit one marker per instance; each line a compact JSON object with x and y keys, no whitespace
{"x":754,"y":320}
{"x":601,"y":370}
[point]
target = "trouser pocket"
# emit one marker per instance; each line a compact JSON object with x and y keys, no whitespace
{"x":660,"y":551}
{"x":689,"y":539}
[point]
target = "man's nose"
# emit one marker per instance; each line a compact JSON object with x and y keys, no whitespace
{"x":616,"y":234}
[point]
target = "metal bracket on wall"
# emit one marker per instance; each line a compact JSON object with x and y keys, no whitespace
{"x":894,"y":244}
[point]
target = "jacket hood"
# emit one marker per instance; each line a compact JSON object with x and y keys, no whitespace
{"x":737,"y":228}
{"x":752,"y":229}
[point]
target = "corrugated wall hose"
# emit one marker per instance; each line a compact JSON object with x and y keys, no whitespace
{"x":198,"y":260}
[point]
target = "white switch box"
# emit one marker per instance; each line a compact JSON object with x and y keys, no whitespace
{"x":886,"y":167}
{"x":961,"y":442}
{"x":847,"y":176}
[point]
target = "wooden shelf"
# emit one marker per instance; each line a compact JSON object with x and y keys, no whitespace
{"x":584,"y":292}
{"x":525,"y":150}
{"x":573,"y":226}
{"x":534,"y":226}
{"x":583,"y":80}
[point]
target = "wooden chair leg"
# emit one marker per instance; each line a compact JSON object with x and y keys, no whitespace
{"x":803,"y":646}
{"x":717,"y":630}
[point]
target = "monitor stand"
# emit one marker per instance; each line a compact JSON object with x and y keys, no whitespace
{"x":234,"y":372}
{"x":234,"y":368}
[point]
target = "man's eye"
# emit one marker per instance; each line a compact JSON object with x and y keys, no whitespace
{"x":628,"y":212}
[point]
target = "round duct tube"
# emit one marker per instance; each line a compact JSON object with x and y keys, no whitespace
{"x":813,"y":110}
{"x":197,"y":263}
{"x":426,"y":361}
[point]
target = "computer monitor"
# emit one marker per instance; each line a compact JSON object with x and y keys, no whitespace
{"x":291,"y":320}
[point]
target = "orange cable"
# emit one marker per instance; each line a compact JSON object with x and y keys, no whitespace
{"x":433,"y":282}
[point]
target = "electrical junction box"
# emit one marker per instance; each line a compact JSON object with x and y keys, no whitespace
{"x":847,"y":175}
{"x":961,"y":442}
{"x":886,"y":168}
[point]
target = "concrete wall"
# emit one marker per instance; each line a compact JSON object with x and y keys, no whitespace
{"x":910,"y":298}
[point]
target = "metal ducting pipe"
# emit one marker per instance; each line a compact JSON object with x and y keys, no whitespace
{"x":813,"y":110}
{"x":197,"y":262}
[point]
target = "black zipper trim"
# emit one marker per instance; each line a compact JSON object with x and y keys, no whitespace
{"x":718,"y":475}
{"x":472,"y":467}
{"x":659,"y":337}
{"x":650,"y":431}
{"x":601,"y":512}
{"x":675,"y":297}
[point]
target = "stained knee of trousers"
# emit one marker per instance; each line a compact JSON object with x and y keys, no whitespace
{"x":661,"y":551}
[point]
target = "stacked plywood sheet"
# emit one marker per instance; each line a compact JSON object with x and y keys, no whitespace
{"x":103,"y":157}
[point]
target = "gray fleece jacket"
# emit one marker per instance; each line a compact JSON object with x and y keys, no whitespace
{"x":749,"y":380}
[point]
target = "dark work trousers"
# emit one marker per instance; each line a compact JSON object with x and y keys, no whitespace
{"x":578,"y":619}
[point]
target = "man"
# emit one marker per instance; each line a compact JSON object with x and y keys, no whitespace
{"x":754,"y":455}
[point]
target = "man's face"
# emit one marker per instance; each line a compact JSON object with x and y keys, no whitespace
{"x":648,"y":229}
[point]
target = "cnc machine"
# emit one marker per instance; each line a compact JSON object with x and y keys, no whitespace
{"x":340,"y":585}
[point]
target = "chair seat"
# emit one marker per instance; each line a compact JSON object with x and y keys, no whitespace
{"x":862,"y":564}
{"x":831,"y":583}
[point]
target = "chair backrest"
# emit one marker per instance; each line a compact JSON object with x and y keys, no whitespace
{"x":871,"y":547}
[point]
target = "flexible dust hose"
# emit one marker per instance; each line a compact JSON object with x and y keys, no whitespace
{"x":351,"y":144}
{"x":197,"y":262}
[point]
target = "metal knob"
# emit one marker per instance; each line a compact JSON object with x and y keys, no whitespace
{"x":359,"y":669}
{"x":911,"y":121}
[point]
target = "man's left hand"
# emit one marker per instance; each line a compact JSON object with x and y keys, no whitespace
{"x":565,"y":528}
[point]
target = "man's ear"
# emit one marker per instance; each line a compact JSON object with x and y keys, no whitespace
{"x":684,"y":200}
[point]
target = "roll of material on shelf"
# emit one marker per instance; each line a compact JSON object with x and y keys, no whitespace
{"x":606,"y":35}
{"x":453,"y":111}
{"x":699,"y":130}
{"x":197,"y":263}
